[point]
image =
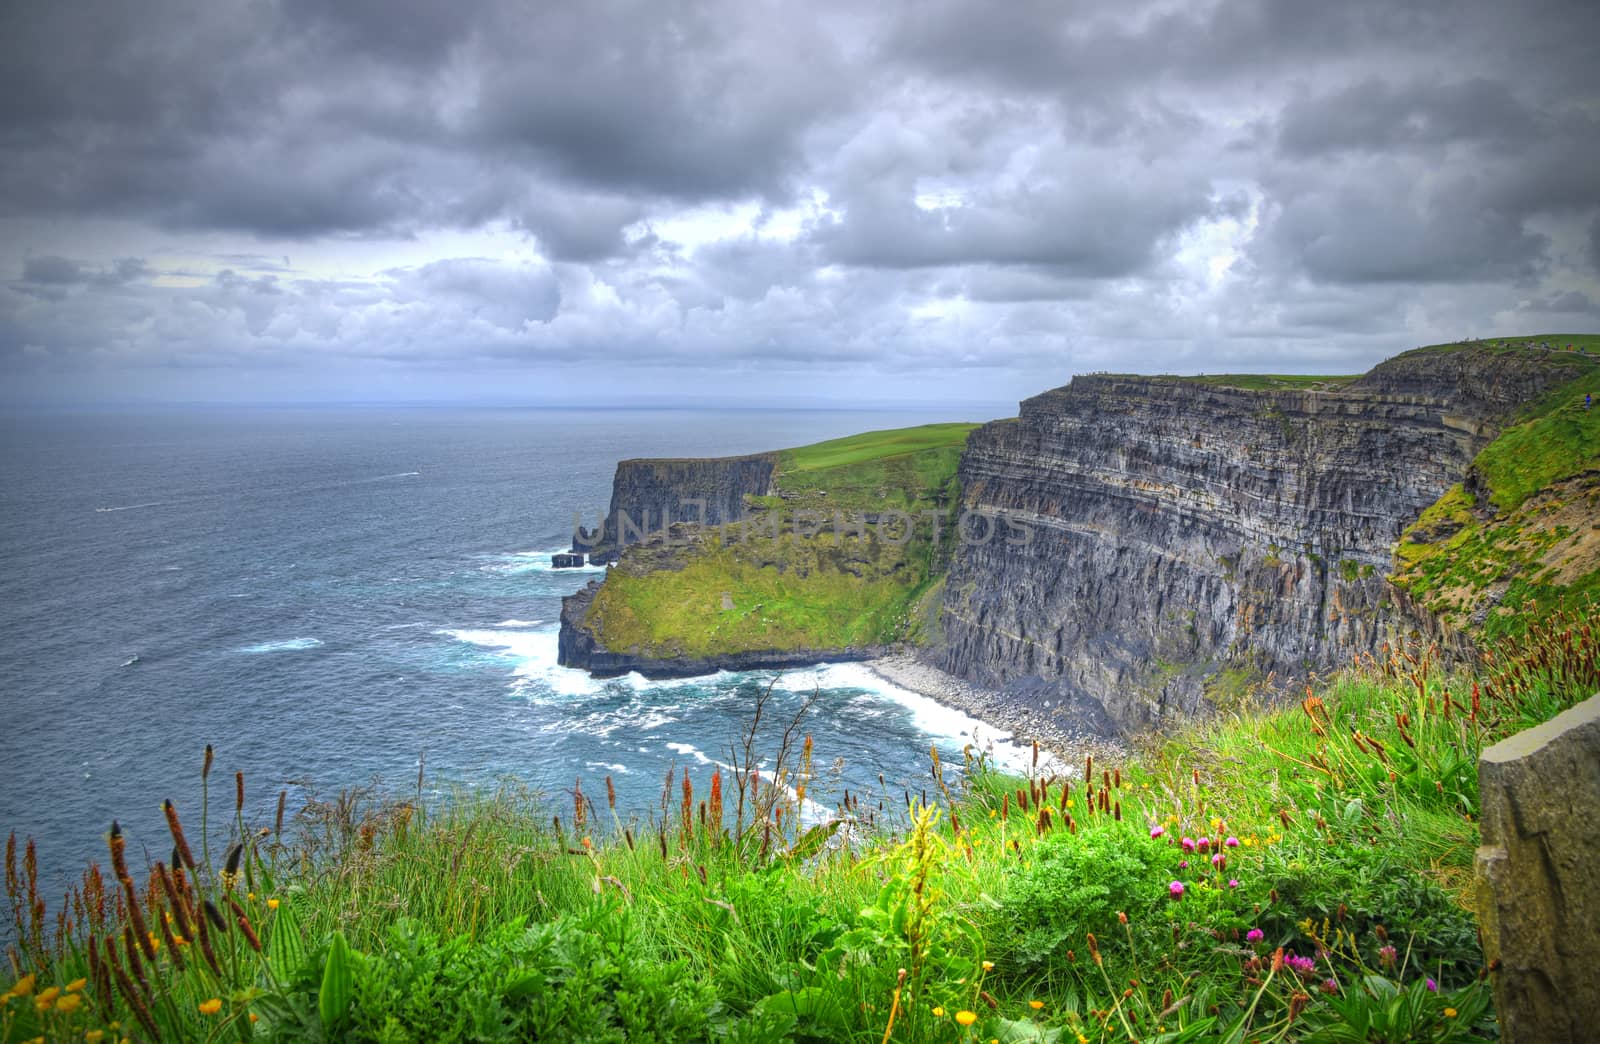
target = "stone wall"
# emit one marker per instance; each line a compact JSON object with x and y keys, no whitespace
{"x":1538,"y":876}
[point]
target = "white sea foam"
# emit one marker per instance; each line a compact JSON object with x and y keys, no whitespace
{"x":519,"y":562}
{"x":689,"y":750}
{"x":519,"y":623}
{"x":130,"y":507}
{"x":287,"y":645}
{"x":536,"y":672}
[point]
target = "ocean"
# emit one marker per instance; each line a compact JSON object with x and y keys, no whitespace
{"x":334,"y":597}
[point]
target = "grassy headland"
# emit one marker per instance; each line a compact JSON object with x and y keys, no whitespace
{"x":822,"y":563}
{"x":1297,"y":874}
{"x":1522,"y":536}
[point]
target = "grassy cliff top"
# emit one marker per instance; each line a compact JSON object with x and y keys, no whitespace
{"x":783,"y":579}
{"x":875,"y":445}
{"x":1521,"y":539}
{"x":1274,"y":381}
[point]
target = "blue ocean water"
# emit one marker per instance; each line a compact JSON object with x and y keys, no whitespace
{"x":328,"y":595}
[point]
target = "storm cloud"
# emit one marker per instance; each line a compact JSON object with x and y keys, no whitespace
{"x":938,"y":200}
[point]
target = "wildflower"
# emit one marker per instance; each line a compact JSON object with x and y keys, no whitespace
{"x":1219,"y":860}
{"x":1188,"y":844}
{"x":77,"y":985}
{"x":69,"y":1003}
{"x":1176,"y":888}
{"x":1254,"y":935}
{"x":1233,"y":882}
{"x":1232,"y":842}
{"x":1157,"y":830}
{"x":272,"y":904}
{"x":1300,"y":965}
{"x":47,"y":997}
{"x":966,"y":1018}
{"x":1036,"y":1004}
{"x":1433,"y":987}
{"x":1184,"y":865}
{"x":938,"y":1013}
{"x":1203,"y":844}
{"x":1449,"y":1013}
{"x":1330,"y":986}
{"x":988,"y":966}
{"x":211,"y":1007}
{"x":94,"y":1037}
{"x":22,"y":987}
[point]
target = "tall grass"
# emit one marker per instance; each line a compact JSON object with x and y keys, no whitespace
{"x":1289,"y":874}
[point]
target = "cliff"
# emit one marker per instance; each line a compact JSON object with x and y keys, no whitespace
{"x":828,"y":551}
{"x":648,"y":495}
{"x":1189,"y":539}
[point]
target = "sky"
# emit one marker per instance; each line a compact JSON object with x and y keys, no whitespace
{"x":760,"y":202}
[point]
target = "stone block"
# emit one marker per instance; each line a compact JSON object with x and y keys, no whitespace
{"x":1538,"y":877}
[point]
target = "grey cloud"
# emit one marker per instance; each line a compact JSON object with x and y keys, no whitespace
{"x":1573,"y":302}
{"x":1378,"y":115}
{"x":51,"y":270}
{"x":1097,"y":221}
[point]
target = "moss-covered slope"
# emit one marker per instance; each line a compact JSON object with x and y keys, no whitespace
{"x":852,"y":536}
{"x":1520,"y":536}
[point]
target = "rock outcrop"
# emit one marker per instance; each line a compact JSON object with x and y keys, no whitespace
{"x":1538,"y":882}
{"x":1190,"y":537}
{"x":649,"y":495}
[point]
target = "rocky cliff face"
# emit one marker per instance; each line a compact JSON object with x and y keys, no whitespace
{"x":649,"y":495}
{"x":1187,"y":538}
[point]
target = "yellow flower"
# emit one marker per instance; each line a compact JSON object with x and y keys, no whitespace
{"x":1036,"y":1004}
{"x":250,"y":896}
{"x":1449,"y":1013}
{"x":76,"y":984}
{"x":1082,"y":1039}
{"x":272,"y":904}
{"x":988,"y":966}
{"x":966,"y":1018}
{"x":94,"y":1036}
{"x":155,"y":944}
{"x":22,"y":987}
{"x":938,"y":1013}
{"x":69,"y":1004}
{"x":211,"y":1007}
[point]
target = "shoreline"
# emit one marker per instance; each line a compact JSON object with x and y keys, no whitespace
{"x":998,"y":711}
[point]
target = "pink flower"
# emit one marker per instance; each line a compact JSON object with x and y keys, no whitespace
{"x":1184,"y":865}
{"x":1233,"y":882}
{"x":1433,"y":987}
{"x":1219,"y":860}
{"x":1157,"y":831}
{"x":1386,"y":955}
{"x":1232,"y":842}
{"x":1176,"y":888}
{"x":1330,"y":985}
{"x":1303,"y":966}
{"x":1188,"y":844}
{"x":1203,"y":844}
{"x":1254,"y":935}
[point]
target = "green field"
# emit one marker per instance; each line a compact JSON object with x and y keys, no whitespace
{"x":810,"y":568}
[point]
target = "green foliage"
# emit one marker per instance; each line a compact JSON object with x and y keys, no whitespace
{"x":1273,"y":381}
{"x":1559,"y":441}
{"x":1076,"y":884}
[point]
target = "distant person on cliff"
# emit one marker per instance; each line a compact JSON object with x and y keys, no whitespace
{"x":1588,"y":399}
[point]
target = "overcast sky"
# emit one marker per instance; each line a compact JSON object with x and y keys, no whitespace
{"x":935,"y":200}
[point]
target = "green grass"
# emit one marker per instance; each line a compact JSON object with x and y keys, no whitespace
{"x":1454,"y":560}
{"x":817,"y":566}
{"x":1044,"y":906}
{"x":875,"y":445}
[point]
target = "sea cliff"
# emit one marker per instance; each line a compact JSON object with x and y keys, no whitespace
{"x":1148,"y":548}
